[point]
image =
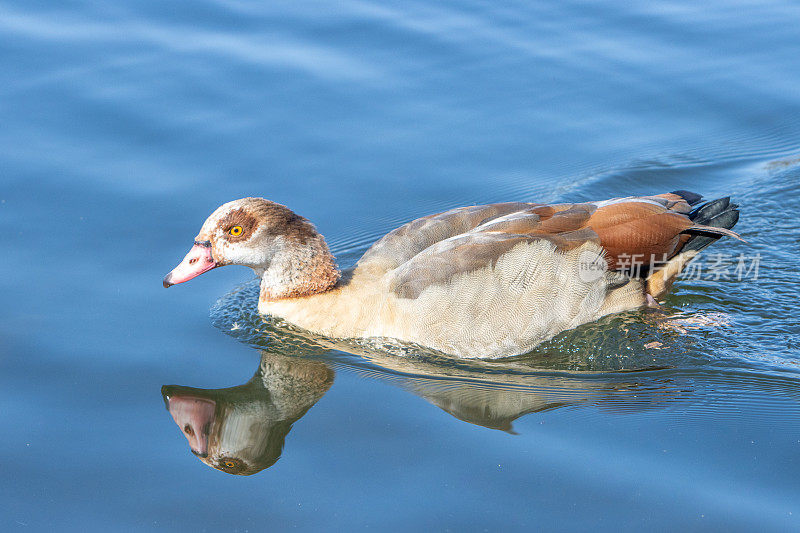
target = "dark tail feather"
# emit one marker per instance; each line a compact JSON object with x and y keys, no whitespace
{"x":690,"y":197}
{"x":720,"y":213}
{"x":708,"y":210}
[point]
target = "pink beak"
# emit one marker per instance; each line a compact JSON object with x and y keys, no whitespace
{"x":198,"y":260}
{"x":195,"y":417}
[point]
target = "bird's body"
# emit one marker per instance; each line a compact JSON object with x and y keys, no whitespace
{"x":479,"y":281}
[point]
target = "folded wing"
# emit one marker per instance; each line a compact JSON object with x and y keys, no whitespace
{"x":433,"y":249}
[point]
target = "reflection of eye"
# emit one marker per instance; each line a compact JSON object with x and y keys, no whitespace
{"x":236,"y":231}
{"x":231,"y":465}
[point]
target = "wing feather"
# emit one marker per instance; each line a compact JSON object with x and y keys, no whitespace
{"x":444,"y":260}
{"x":403,"y":243}
{"x":434,"y":249}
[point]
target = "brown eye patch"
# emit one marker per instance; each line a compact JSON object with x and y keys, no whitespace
{"x":238,"y":225}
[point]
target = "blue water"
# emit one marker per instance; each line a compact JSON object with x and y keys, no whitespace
{"x":124,"y":124}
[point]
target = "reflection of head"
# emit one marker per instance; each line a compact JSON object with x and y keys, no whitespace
{"x":241,"y":430}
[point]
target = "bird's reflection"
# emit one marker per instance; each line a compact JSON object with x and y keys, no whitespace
{"x":241,"y":430}
{"x":495,"y":394}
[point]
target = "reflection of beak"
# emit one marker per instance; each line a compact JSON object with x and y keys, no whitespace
{"x":194,"y":416}
{"x":198,"y":260}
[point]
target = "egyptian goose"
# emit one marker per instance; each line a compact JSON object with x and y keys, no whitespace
{"x":476,"y":282}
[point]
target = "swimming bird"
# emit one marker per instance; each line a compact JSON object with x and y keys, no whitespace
{"x":482,"y":281}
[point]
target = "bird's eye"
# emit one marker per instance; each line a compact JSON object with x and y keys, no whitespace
{"x":236,"y":231}
{"x":231,"y":465}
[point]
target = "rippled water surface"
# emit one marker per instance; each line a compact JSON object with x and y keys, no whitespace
{"x":124,"y":124}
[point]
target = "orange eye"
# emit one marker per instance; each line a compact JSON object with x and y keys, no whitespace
{"x":236,"y":231}
{"x":231,"y":465}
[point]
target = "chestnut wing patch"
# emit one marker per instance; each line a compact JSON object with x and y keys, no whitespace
{"x":640,"y":230}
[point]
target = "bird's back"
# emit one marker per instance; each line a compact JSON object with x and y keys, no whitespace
{"x":495,"y":280}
